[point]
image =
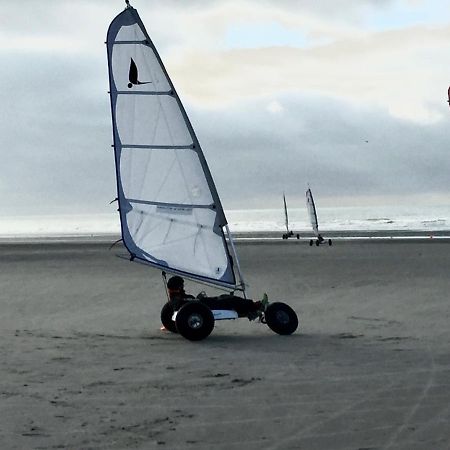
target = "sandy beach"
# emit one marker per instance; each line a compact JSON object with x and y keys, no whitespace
{"x":86,"y":366}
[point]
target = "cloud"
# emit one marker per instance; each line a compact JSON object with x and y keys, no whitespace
{"x":342,"y":150}
{"x":394,"y":70}
{"x":275,"y":107}
{"x":270,"y":117}
{"x":56,"y":137}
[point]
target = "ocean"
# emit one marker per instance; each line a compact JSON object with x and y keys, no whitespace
{"x":372,"y":219}
{"x":408,"y":218}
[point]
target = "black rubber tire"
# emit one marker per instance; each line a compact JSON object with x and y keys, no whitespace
{"x":194,"y":321}
{"x":311,"y":243}
{"x":281,"y":318}
{"x":166,"y":318}
{"x":298,"y":236}
{"x":317,"y":243}
{"x":329,"y":242}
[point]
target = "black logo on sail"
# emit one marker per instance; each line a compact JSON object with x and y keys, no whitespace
{"x":133,"y":75}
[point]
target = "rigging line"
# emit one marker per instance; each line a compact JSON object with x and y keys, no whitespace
{"x":148,"y":66}
{"x":162,"y":114}
{"x":155,"y":126}
{"x":205,"y":252}
{"x":196,"y":237}
{"x":165,"y":178}
{"x":139,"y":226}
{"x":195,"y":211}
{"x":163,"y":274}
{"x":167,"y":233}
{"x":148,"y":159}
{"x":173,"y":241}
{"x":152,"y":228}
{"x":182,"y":239}
{"x":217,"y":284}
{"x":141,"y":187}
{"x":241,"y":278}
{"x":114,"y":243}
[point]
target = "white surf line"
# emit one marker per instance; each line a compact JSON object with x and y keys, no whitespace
{"x":393,"y":439}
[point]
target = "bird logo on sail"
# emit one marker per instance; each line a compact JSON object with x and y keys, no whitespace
{"x":133,"y":75}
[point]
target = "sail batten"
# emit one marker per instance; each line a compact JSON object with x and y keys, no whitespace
{"x":161,"y":147}
{"x":170,"y":93}
{"x":144,"y":42}
{"x":173,"y":205}
{"x":171,"y":215}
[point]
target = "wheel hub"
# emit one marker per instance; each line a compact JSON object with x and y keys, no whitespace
{"x":195,"y":321}
{"x":282,"y":317}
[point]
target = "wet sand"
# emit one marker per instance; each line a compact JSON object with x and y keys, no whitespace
{"x":85,"y":365}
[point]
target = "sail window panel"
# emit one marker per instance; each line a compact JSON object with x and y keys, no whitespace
{"x":150,"y":75}
{"x":184,"y":240}
{"x":130,"y":33}
{"x":151,"y":120}
{"x":164,"y":175}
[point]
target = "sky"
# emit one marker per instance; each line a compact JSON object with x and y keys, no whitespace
{"x":349,"y":96}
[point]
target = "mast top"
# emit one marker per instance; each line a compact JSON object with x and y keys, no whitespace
{"x":128,"y":3}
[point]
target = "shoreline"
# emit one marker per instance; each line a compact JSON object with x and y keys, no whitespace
{"x":243,"y":236}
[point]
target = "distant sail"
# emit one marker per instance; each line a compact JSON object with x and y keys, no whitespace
{"x":286,"y":218}
{"x":171,"y":215}
{"x":312,"y":212}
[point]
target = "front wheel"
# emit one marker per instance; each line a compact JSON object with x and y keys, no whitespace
{"x":329,"y":242}
{"x":166,"y":318}
{"x":281,"y":318}
{"x":311,"y":243}
{"x":194,"y":321}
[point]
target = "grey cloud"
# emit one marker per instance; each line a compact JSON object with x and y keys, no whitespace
{"x":57,"y":134}
{"x":255,"y":155}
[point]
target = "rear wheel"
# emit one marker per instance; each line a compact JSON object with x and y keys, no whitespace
{"x":166,"y":318}
{"x":311,"y":243}
{"x":194,"y":321}
{"x":281,"y":318}
{"x":329,"y":242}
{"x":317,"y":243}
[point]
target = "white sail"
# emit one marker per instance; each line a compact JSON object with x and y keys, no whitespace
{"x":171,"y":215}
{"x":286,"y":218}
{"x":312,"y":212}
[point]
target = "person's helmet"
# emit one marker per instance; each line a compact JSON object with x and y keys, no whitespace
{"x":175,"y":282}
